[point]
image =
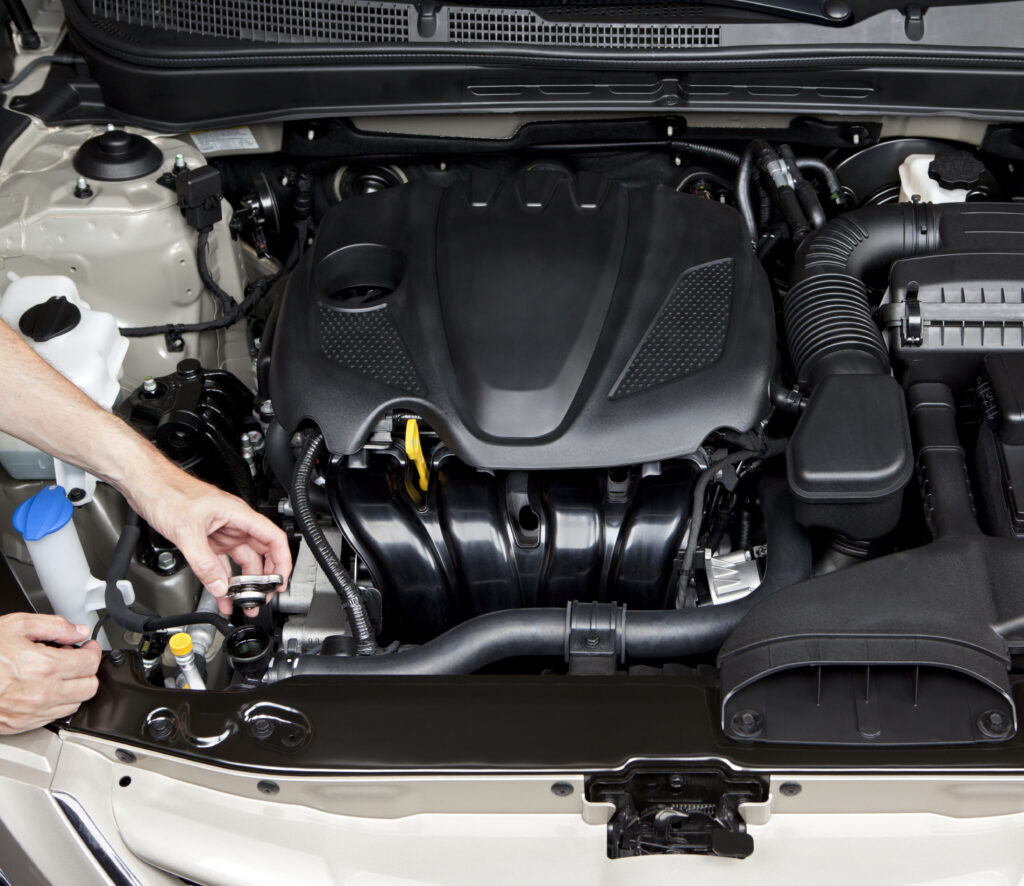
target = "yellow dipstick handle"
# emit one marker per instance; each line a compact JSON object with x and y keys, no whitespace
{"x":414,"y":450}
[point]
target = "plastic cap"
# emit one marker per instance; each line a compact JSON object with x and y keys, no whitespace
{"x":180,"y":644}
{"x":45,"y":513}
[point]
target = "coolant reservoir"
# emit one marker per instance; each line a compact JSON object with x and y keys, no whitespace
{"x":83,"y":345}
{"x":937,"y":178}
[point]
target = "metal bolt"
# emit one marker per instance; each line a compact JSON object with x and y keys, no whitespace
{"x":252,"y":441}
{"x":261,"y":728}
{"x":166,"y":561}
{"x":161,"y":728}
{"x":995,"y":724}
{"x":149,"y":385}
{"x":82,"y":188}
{"x":561,"y":789}
{"x":790,"y":789}
{"x":675,"y":783}
{"x":179,"y":163}
{"x":124,"y":756}
{"x":267,"y":410}
{"x":268,"y":787}
{"x":284,"y":508}
{"x":747,"y":723}
{"x":117,"y":657}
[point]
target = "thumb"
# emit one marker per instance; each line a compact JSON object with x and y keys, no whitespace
{"x":54,"y":629}
{"x":207,"y":566}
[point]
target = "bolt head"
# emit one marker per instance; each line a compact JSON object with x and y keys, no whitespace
{"x":268,"y":787}
{"x":790,"y":789}
{"x":166,"y":561}
{"x":995,"y":724}
{"x":161,"y":728}
{"x":747,"y":723}
{"x":561,"y":789}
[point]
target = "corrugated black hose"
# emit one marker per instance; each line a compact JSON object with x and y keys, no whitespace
{"x":341,"y":581}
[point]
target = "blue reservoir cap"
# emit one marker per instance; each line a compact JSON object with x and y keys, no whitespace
{"x":43,"y":514}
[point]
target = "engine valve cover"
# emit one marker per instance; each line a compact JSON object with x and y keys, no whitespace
{"x":540,"y":322}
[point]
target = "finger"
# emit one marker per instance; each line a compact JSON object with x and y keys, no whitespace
{"x":60,"y":712}
{"x":248,"y":560}
{"x":266,"y":533}
{"x":74,"y":692}
{"x":70,"y":664}
{"x":52,"y":629}
{"x":211,"y":572}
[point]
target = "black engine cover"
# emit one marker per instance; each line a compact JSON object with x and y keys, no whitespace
{"x":537,"y":323}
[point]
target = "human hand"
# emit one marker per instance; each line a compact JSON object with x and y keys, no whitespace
{"x":211,"y":528}
{"x":40,"y":683}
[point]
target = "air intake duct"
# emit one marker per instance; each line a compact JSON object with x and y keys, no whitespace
{"x":851,"y":456}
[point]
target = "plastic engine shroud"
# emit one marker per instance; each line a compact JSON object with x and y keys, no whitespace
{"x":539,"y":322}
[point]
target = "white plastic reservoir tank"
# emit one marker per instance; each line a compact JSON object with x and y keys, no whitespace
{"x":83,"y":345}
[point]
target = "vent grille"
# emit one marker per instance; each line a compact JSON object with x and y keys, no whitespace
{"x":267,"y":21}
{"x":468,"y":25}
{"x":373,"y":22}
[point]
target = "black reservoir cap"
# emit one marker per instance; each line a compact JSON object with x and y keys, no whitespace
{"x":52,"y":318}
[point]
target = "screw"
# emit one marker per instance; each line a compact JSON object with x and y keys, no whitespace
{"x":252,"y":441}
{"x":117,"y":657}
{"x":161,"y":728}
{"x":82,"y":189}
{"x":747,"y":723}
{"x":149,"y":385}
{"x":268,"y":787}
{"x":994,"y":724}
{"x":675,"y":783}
{"x":561,"y":789}
{"x":261,"y":728}
{"x":124,"y":756}
{"x":267,"y":410}
{"x":166,"y":561}
{"x":790,"y":789}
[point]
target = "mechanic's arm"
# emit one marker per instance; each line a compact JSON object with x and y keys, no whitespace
{"x":41,"y":407}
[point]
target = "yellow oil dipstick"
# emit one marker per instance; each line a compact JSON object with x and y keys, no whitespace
{"x":414,"y":451}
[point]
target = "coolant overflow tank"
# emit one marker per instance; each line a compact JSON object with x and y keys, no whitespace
{"x":85,"y":346}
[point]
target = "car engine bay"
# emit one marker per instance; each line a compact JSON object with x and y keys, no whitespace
{"x":746,"y":407}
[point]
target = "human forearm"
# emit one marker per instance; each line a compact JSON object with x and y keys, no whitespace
{"x":41,"y":407}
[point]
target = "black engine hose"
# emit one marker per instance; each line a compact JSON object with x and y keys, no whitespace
{"x":654,"y":634}
{"x":142,"y":622}
{"x":825,"y":172}
{"x":744,"y":176}
{"x":830,"y":327}
{"x":341,"y":581}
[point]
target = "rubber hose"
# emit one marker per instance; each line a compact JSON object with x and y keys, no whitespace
{"x":814,"y":164}
{"x":657,"y":634}
{"x":743,"y":178}
{"x":362,"y":631}
{"x":140,"y":622}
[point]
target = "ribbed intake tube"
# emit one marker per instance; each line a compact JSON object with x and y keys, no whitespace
{"x":829,"y":323}
{"x":652,"y":634}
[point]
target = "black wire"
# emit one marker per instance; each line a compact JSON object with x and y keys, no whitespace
{"x":27,"y":71}
{"x":99,"y":626}
{"x":234,"y":311}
